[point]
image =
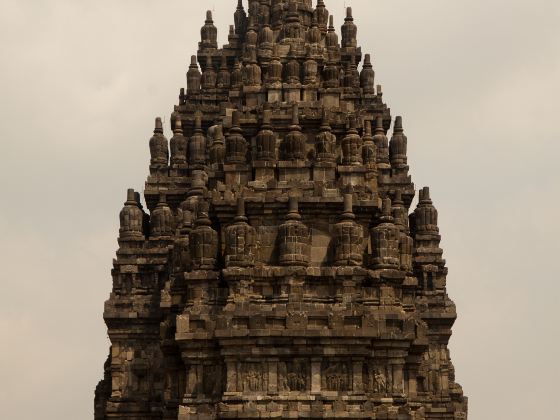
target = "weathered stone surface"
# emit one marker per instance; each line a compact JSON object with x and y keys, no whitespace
{"x":280,"y":272}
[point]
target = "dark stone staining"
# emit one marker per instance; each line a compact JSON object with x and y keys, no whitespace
{"x":278,"y":270}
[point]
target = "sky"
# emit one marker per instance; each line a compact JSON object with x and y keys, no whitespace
{"x":477,"y":83}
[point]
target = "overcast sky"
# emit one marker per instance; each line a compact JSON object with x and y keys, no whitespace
{"x":477,"y":83}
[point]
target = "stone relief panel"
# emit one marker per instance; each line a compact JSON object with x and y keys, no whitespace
{"x":294,"y":376}
{"x":337,"y":376}
{"x":253,"y":377}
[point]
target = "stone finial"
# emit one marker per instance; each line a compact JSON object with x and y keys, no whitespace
{"x":252,"y":73}
{"x":321,"y":14}
{"x":209,"y":76}
{"x":369,"y":150}
{"x":204,"y":240}
{"x":236,"y":145}
{"x":425,"y":215}
{"x":352,"y":144}
{"x":398,"y":146}
{"x":367,"y":76}
{"x":325,"y":141}
{"x":193,"y":77}
{"x":348,"y":237}
{"x":217,"y":150}
{"x":295,"y":140}
{"x":293,"y":69}
{"x":224,"y":76}
{"x":237,"y":76}
{"x":266,"y":140}
{"x":240,"y":19}
{"x":381,"y":143}
{"x":161,"y":220}
{"x":240,"y":240}
{"x":349,"y":31}
{"x":385,"y":240}
{"x":311,"y":69}
{"x":131,"y":219}
{"x":208,"y":34}
{"x":294,"y":238}
{"x":159,"y":152}
{"x":331,"y":39}
{"x":178,"y":144}
{"x":197,"y":143}
{"x":331,"y":72}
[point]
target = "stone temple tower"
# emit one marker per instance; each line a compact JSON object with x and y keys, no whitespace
{"x":278,"y":270}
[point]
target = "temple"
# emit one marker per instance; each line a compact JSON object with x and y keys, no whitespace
{"x":276,"y":269}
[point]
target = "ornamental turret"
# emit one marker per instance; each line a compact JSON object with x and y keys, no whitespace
{"x":385,"y":240}
{"x":425,"y":215}
{"x":311,"y":70}
{"x":348,"y":237}
{"x":351,"y":74}
{"x":352,"y":145}
{"x":178,"y":144}
{"x":406,"y":243}
{"x":159,"y":152}
{"x":197,"y":143}
{"x":275,"y":70}
{"x":252,"y":74}
{"x":181,"y":254}
{"x":161,"y":219}
{"x":209,"y":76}
{"x":331,"y":72}
{"x":224,"y":75}
{"x":369,"y":150}
{"x":237,"y":75}
{"x":292,"y":69}
{"x":293,"y":30}
{"x":204,"y":240}
{"x":294,"y":142}
{"x":325,"y":141}
{"x":236,"y":145}
{"x":266,"y":39}
{"x":241,"y":240}
{"x":240,"y":19}
{"x":217,"y":149}
{"x":382,"y":145}
{"x":131,"y":219}
{"x":193,"y":77}
{"x":349,"y":31}
{"x":208,"y":34}
{"x":331,"y":39}
{"x":367,"y":76}
{"x":398,"y":145}
{"x":266,"y":140}
{"x":294,"y":238}
{"x":322,"y":15}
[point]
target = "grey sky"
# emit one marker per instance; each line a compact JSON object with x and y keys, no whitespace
{"x":477,"y":83}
